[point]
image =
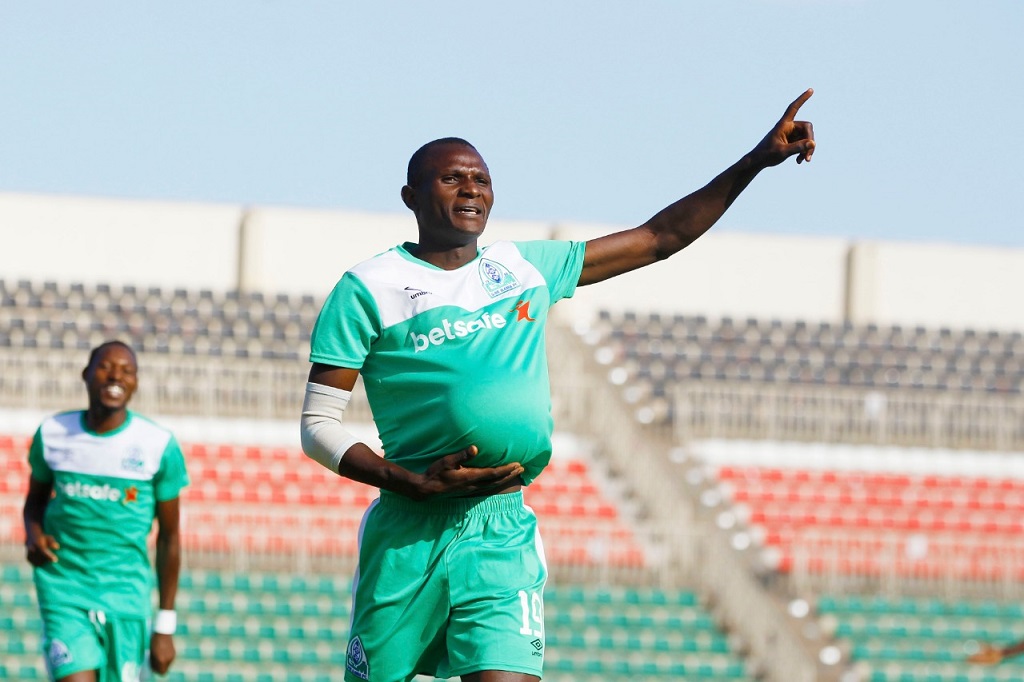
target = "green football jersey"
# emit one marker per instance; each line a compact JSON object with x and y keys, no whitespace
{"x":453,"y":358}
{"x":105,"y":490}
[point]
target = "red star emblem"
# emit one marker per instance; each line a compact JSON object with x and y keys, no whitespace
{"x":131,"y":495}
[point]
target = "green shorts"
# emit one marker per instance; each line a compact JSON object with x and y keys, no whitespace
{"x":447,"y":588}
{"x":75,"y":639}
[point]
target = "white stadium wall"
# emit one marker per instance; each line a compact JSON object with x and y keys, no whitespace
{"x":728,"y":274}
{"x":306,"y":251}
{"x":936,"y":285}
{"x":117,"y":241}
{"x":302,"y":251}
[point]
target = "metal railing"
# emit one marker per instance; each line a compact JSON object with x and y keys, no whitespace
{"x":207,"y":386}
{"x":907,"y":564}
{"x":847,"y":415}
{"x":273,"y":388}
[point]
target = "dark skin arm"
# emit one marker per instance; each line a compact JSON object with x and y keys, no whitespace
{"x":990,"y":655}
{"x":671,"y":230}
{"x":41,"y":549}
{"x":680,"y":224}
{"x":168,"y":566}
{"x":446,"y":475}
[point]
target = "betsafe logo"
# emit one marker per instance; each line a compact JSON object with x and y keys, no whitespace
{"x":455,"y":330}
{"x":99,"y":492}
{"x":460,"y":329}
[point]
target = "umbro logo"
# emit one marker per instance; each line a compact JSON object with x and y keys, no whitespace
{"x":415,"y":293}
{"x":537,"y":644}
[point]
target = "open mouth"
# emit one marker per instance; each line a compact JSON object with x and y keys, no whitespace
{"x":468,"y":210}
{"x":114,"y":391}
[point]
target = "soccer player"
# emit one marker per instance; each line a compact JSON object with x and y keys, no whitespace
{"x":98,"y":479}
{"x":449,"y":340}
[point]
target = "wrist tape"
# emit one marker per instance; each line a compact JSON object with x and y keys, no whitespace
{"x":324,"y":439}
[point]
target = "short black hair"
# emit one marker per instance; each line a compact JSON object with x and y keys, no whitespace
{"x":416,"y":161}
{"x":107,"y":344}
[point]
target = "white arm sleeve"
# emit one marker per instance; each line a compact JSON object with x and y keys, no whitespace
{"x":324,"y":439}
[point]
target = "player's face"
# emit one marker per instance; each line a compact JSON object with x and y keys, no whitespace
{"x":112,"y":378}
{"x":452,"y":197}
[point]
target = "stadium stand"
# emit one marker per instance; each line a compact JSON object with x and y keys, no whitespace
{"x":912,"y":556}
{"x":845,"y":461}
{"x":918,"y":639}
{"x":250,"y":505}
{"x":663,"y":350}
{"x":270,"y":501}
{"x":272,"y":626}
{"x":871,"y":472}
{"x":155,"y":320}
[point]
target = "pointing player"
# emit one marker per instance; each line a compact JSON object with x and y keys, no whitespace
{"x":449,"y":339}
{"x":98,"y":479}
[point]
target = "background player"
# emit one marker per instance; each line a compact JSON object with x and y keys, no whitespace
{"x":449,"y":341}
{"x":98,"y":479}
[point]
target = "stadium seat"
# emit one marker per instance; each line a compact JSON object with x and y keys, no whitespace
{"x":922,"y":639}
{"x":257,"y":625}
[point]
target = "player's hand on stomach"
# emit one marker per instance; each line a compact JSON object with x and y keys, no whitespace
{"x":42,"y":550}
{"x":448,"y":475}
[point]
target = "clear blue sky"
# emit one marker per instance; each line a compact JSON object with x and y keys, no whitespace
{"x":584,"y":110}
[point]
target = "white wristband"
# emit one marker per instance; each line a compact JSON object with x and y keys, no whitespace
{"x":166,"y":622}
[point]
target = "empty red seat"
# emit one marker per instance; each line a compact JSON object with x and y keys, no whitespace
{"x":869,"y":522}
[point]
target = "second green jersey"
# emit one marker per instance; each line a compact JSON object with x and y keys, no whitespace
{"x":105,"y":490}
{"x":453,"y":358}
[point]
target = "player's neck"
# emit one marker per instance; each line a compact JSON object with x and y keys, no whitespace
{"x":99,"y":419}
{"x":446,"y":258}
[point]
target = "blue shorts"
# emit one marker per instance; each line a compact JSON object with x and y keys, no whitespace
{"x":447,"y":588}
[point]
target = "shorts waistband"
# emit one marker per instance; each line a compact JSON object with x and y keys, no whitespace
{"x":455,"y":506}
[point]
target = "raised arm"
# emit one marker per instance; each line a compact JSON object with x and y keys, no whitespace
{"x":325,"y":440}
{"x":677,"y":226}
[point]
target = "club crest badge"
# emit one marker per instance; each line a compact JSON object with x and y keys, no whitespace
{"x":355,"y":660}
{"x":133,"y":461}
{"x":58,"y":654}
{"x":496,"y":278}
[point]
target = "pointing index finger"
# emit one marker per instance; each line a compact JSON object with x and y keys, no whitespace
{"x":797,"y":103}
